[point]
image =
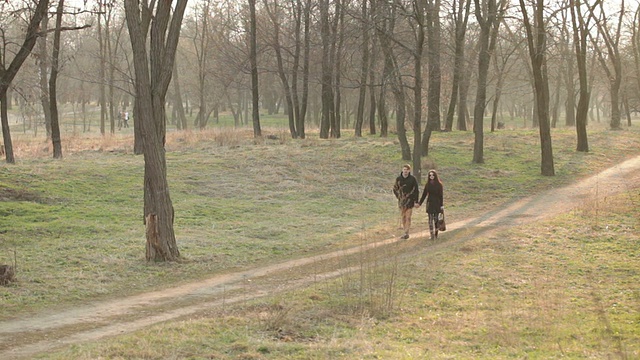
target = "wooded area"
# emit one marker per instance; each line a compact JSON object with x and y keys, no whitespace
{"x":328,"y":64}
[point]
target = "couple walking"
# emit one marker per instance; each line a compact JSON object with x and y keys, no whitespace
{"x":406,"y":190}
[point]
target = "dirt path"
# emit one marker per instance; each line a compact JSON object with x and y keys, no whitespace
{"x":45,"y":332}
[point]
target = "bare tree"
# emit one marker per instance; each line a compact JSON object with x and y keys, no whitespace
{"x":153,"y":68}
{"x":460,"y":19}
{"x":274,"y":15}
{"x":53,"y":78}
{"x":611,"y":61}
{"x":635,"y":46}
{"x":580,"y":35}
{"x":385,"y":25}
{"x":419,"y":28}
{"x":102,"y":39}
{"x":336,"y":60}
{"x":569,"y":73}
{"x":253,"y":59}
{"x":328,"y":106}
{"x":178,"y":107}
{"x":42,"y":58}
{"x":201,"y":40}
{"x":380,"y":104}
{"x":7,"y":74}
{"x":502,"y":64}
{"x":488,"y":14}
{"x":435,"y":74}
{"x":364,"y":68}
{"x":536,"y":39}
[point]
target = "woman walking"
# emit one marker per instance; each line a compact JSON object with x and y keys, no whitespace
{"x":433,"y":192}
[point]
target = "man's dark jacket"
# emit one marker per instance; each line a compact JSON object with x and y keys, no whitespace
{"x":406,"y":190}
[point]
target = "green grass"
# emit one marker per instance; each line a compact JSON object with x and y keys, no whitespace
{"x":76,"y":228}
{"x":563,"y":289}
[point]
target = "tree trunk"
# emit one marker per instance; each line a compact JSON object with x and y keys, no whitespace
{"x":486,"y":22}
{"x":157,"y":64}
{"x":337,"y":36}
{"x":381,"y":107}
{"x":53,"y":78}
{"x":297,"y":13}
{"x":253,"y":59}
{"x":611,"y":61}
{"x":177,"y":100}
{"x":384,"y":31}
{"x":6,"y":134}
{"x":305,"y":70}
{"x":580,"y":34}
{"x":364,"y":70}
{"x":282,"y":74}
{"x":435,"y":78}
{"x":101,"y":72}
{"x":463,"y":110}
{"x":536,"y":39}
{"x":461,"y":18}
{"x":627,"y":111}
{"x":418,"y":51}
{"x":44,"y":74}
{"x":327,"y":74}
{"x":372,"y":93}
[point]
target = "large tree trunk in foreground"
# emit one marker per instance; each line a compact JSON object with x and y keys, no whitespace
{"x":153,"y":71}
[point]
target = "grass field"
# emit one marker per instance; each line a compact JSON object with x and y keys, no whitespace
{"x":563,"y":289}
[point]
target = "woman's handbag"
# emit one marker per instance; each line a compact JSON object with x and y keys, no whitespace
{"x":442,"y":225}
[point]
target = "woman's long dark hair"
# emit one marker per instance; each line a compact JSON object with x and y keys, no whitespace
{"x":436,"y":178}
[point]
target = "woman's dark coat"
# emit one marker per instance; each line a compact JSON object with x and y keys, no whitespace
{"x":434,"y":193}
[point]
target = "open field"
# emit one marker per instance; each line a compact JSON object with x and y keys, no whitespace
{"x":540,"y":290}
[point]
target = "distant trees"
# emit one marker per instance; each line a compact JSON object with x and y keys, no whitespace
{"x":337,"y":64}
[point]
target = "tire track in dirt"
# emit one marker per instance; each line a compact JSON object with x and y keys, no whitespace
{"x":23,"y":338}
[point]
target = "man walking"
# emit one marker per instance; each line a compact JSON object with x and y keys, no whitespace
{"x":406,"y":191}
